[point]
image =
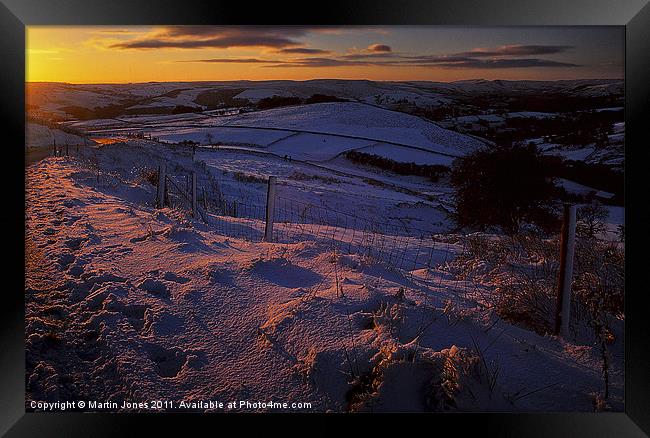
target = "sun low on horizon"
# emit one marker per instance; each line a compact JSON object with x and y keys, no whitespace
{"x":130,"y":54}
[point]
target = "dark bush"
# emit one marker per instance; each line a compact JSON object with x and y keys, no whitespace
{"x":322,"y":98}
{"x":215,"y":99}
{"x":504,"y":187}
{"x":431,"y":171}
{"x":277,"y":101}
{"x":183,"y":109}
{"x":149,"y":175}
{"x":598,"y":176}
{"x":591,"y":220}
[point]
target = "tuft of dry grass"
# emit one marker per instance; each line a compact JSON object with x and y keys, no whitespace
{"x":249,"y":178}
{"x":522,"y":272}
{"x":301,"y":176}
{"x":149,"y":175}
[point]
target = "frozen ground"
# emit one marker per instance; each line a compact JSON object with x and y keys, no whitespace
{"x":124,"y":301}
{"x":38,"y":135}
{"x":128,"y":302}
{"x":316,"y":132}
{"x":57,"y":98}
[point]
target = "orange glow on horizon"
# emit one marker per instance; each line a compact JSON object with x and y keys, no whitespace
{"x":82,"y":54}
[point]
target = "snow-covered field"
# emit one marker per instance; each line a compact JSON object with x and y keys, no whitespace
{"x":365,"y":300}
{"x":317,"y":132}
{"x":127,"y":302}
{"x":39,"y":136}
{"x":55,"y":98}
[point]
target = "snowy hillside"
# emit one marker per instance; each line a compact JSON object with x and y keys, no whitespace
{"x":356,"y":119}
{"x":38,"y":135}
{"x":317,"y":132}
{"x":56,"y":98}
{"x":348,"y":281}
{"x":136,"y":303}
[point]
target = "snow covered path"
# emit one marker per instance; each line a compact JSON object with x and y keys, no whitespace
{"x":118,"y":297}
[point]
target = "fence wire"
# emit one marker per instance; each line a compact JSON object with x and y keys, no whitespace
{"x":505,"y":273}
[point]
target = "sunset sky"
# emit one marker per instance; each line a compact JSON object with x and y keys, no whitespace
{"x":114,"y":54}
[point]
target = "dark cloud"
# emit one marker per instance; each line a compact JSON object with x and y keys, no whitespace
{"x":379,"y":48}
{"x":504,"y":63}
{"x":201,"y":37}
{"x":317,"y":62}
{"x":214,"y":31}
{"x":229,"y":60}
{"x":423,"y":61}
{"x":220,"y":37}
{"x":304,"y":51}
{"x":365,"y":55}
{"x":219,"y":42}
{"x":515,"y":50}
{"x":286,"y":40}
{"x":433,"y":59}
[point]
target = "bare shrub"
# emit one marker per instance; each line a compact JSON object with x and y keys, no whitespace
{"x":591,"y":220}
{"x":459,"y":371}
{"x":599,"y":276}
{"x":249,"y":178}
{"x":149,"y":175}
{"x":451,"y":378}
{"x":522,"y":272}
{"x":301,"y":176}
{"x":527,"y":301}
{"x":599,"y":291}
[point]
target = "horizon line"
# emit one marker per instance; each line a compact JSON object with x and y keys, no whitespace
{"x":321,"y":79}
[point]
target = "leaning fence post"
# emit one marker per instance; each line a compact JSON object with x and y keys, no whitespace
{"x":161,"y":186}
{"x":565,"y":277}
{"x":194,"y":194}
{"x":205,"y":200}
{"x":270,"y":204}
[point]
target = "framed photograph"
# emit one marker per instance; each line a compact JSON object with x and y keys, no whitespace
{"x":227,"y":210}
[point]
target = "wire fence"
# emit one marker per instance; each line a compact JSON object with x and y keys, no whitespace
{"x":238,"y":207}
{"x":516,"y":267}
{"x":514,"y":275}
{"x":245,"y":216}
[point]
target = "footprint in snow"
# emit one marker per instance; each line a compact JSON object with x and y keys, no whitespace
{"x":74,"y":243}
{"x":155,"y":287}
{"x":65,"y":260}
{"x":163,"y":323}
{"x":72,"y":219}
{"x":171,"y":276}
{"x":134,"y":312}
{"x":168,"y":361}
{"x":77,"y":269}
{"x":69,"y":203}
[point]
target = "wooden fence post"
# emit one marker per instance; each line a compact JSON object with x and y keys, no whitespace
{"x":194,"y":194}
{"x":565,"y":277}
{"x":66,"y":150}
{"x":205,"y":200}
{"x":161,"y":186}
{"x":270,"y":207}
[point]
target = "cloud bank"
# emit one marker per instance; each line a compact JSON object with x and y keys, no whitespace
{"x":289,"y":41}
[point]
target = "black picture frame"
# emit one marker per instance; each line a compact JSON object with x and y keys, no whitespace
{"x":633,"y":14}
